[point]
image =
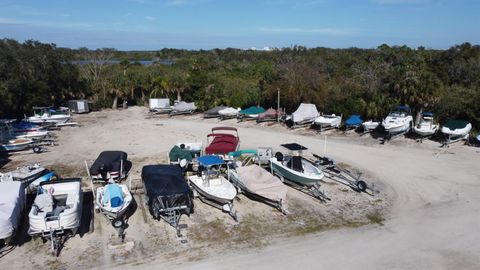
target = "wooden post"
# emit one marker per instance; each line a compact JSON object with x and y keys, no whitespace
{"x":278,"y":104}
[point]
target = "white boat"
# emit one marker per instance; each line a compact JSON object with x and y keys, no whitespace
{"x":306,"y":113}
{"x":399,"y":120}
{"x":49,"y":115}
{"x":426,"y":126}
{"x":456,"y":130}
{"x":12,"y":203}
{"x":56,"y":211}
{"x":370,"y":125}
{"x":328,"y":120}
{"x":211,"y":186}
{"x":8,"y":143}
{"x":113,"y":200}
{"x":259,"y":183}
{"x":30,"y":130}
{"x":229,"y":112}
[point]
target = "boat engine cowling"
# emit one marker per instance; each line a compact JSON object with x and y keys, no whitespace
{"x":279,"y":156}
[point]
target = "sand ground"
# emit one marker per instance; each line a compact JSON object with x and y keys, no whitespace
{"x":425,"y":215}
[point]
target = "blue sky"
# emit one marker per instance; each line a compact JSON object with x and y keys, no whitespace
{"x":205,"y":24}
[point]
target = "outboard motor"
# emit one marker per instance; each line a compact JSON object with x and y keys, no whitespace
{"x":103,"y":172}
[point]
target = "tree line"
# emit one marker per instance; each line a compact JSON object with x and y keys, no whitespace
{"x":342,"y":81}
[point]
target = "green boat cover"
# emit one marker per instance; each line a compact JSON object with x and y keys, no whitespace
{"x":456,"y":124}
{"x":178,"y":153}
{"x":252,"y":110}
{"x":241,"y":152}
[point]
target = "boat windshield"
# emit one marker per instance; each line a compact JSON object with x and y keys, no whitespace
{"x":397,"y":114}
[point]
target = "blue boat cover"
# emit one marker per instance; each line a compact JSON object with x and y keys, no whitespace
{"x":354,"y":120}
{"x":210,"y":160}
{"x":427,"y":114}
{"x":22,"y":125}
{"x":114,"y":194}
{"x":252,"y":110}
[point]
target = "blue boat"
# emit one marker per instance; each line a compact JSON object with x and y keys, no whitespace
{"x":354,"y":121}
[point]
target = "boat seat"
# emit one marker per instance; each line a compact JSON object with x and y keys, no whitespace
{"x":44,"y":202}
{"x":296,"y":163}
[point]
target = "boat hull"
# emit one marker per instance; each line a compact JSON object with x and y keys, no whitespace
{"x":222,"y":193}
{"x":425,"y":131}
{"x":114,"y":212}
{"x":16,"y":145}
{"x":292,"y":175}
{"x":49,"y":120}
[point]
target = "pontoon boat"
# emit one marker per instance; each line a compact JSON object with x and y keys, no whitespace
{"x":222,"y":143}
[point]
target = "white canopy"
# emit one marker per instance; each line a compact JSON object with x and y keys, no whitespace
{"x":12,"y":200}
{"x":305,"y":112}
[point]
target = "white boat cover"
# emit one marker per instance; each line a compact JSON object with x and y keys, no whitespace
{"x":263,"y":183}
{"x":229,"y":111}
{"x":184,"y":106}
{"x":305,"y":112}
{"x":12,"y":200}
{"x":159,"y":103}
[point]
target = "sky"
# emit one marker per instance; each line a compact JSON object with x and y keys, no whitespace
{"x":207,"y":24}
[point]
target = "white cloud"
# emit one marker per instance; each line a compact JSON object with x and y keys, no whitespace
{"x":150,"y":18}
{"x":324,"y":30}
{"x":177,"y":2}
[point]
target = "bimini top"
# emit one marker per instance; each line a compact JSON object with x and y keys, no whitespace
{"x":111,"y":160}
{"x":456,"y":124}
{"x":354,"y":120}
{"x":294,"y":146}
{"x":164,"y":180}
{"x":210,"y":160}
{"x":252,"y":110}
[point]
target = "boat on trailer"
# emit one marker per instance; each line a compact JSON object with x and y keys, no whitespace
{"x":250,"y":113}
{"x":12,"y":204}
{"x":398,"y":121}
{"x":370,"y":125}
{"x":213,"y":112}
{"x":56,"y":212}
{"x":456,"y":130}
{"x":258,"y":183}
{"x":110,"y":165}
{"x":305,"y":115}
{"x":328,"y":121}
{"x":49,"y":115}
{"x":229,"y":113}
{"x":183,"y":107}
{"x":297,"y":171}
{"x":426,"y":126}
{"x":211,"y":186}
{"x":270,"y":115}
{"x":27,"y":175}
{"x":225,"y":140}
{"x":24,"y":129}
{"x":353,"y":122}
{"x":167,"y":194}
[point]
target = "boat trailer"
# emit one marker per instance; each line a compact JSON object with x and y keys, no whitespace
{"x":335,"y":172}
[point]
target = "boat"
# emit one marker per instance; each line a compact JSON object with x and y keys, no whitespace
{"x":328,"y":121}
{"x":49,"y":115}
{"x":398,"y":121}
{"x":370,"y":125}
{"x":222,"y":143}
{"x":179,"y":153}
{"x":26,"y":174}
{"x":160,"y":105}
{"x":195,"y":148}
{"x":168,"y":195}
{"x":258,"y":183}
{"x":110,"y":166}
{"x":426,"y":126}
{"x":353,"y":121}
{"x":213,"y":112}
{"x":298,"y":171}
{"x":456,"y":130}
{"x":211,"y":187}
{"x":228,"y":113}
{"x":24,"y":129}
{"x":250,"y":113}
{"x":12,"y":204}
{"x":113,"y":201}
{"x":15,"y":145}
{"x":56,"y":212}
{"x":183,"y":107}
{"x":270,"y":115}
{"x":305,"y":114}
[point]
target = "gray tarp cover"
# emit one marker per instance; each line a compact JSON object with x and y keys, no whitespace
{"x":305,"y":112}
{"x":12,"y":200}
{"x":261,"y":182}
{"x":184,"y":106}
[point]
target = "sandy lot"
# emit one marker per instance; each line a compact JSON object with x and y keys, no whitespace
{"x":428,"y":197}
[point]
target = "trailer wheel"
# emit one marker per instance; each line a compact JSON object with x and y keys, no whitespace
{"x":361,"y":185}
{"x":37,"y":149}
{"x":118,"y":223}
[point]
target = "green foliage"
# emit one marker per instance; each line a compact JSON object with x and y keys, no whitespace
{"x":342,"y":81}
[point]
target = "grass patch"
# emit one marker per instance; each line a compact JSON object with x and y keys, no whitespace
{"x":210,"y":232}
{"x":376,"y":218}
